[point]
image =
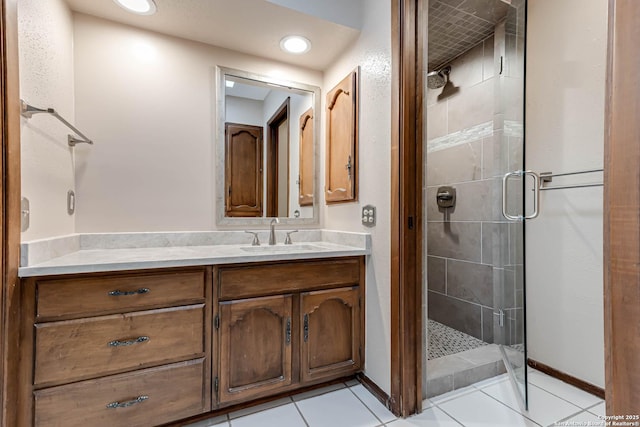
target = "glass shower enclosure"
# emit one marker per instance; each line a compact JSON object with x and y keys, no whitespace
{"x":475,"y":172}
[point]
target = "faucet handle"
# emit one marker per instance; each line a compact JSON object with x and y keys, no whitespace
{"x":256,"y":241}
{"x":287,"y":240}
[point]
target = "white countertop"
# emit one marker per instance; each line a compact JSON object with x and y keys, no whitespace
{"x":100,"y":259}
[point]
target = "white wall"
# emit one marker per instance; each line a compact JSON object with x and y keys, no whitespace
{"x":372,"y":51}
{"x":564,"y":132}
{"x":148,"y":102}
{"x":244,"y":111}
{"x":46,"y":81}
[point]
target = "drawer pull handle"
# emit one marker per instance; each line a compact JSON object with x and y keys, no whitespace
{"x":118,"y":293}
{"x":118,"y":343}
{"x":128,"y":403}
{"x":306,"y":327}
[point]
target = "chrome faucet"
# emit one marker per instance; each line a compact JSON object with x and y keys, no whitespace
{"x":272,"y":233}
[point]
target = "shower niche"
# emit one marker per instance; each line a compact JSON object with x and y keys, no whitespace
{"x":474,"y":93}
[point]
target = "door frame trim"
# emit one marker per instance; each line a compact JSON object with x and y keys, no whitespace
{"x":10,"y":214}
{"x":272,"y":156}
{"x":407,"y":343}
{"x":621,"y":210}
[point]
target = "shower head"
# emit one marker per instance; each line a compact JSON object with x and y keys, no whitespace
{"x":436,"y":79}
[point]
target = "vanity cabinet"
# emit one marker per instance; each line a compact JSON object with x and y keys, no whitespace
{"x":255,"y":347}
{"x":146,"y":348}
{"x":330,"y":333}
{"x":286,"y":325}
{"x":116,"y":349}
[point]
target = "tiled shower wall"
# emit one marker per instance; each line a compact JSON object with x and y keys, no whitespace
{"x":460,"y":139}
{"x":474,"y":136}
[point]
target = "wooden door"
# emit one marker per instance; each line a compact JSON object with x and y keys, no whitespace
{"x":255,"y":347}
{"x":621,"y":213}
{"x":243,"y":170}
{"x":330,"y":334}
{"x":305,"y":180}
{"x":342,"y":141}
{"x":278,"y":162}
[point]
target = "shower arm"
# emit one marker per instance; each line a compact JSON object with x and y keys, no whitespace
{"x":28,"y":111}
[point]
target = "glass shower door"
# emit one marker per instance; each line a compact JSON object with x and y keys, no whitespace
{"x":518,"y":188}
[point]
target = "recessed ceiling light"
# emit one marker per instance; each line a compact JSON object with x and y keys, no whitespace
{"x":141,"y":7}
{"x":295,"y":44}
{"x":229,"y":83}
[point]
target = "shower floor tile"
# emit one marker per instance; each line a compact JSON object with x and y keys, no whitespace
{"x":444,"y":340}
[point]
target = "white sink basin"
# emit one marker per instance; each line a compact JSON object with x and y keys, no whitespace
{"x":266,"y":249}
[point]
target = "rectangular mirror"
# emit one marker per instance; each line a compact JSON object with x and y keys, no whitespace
{"x":266,"y":149}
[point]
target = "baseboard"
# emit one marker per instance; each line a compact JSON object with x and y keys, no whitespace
{"x":576,"y":382}
{"x":376,"y":391}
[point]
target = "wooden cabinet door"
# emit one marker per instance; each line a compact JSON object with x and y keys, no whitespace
{"x":305,"y":183}
{"x":330,"y":334}
{"x":243,"y":170}
{"x":342,"y":140}
{"x":255,"y":347}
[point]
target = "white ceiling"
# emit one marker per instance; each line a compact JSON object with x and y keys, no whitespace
{"x":244,"y":88}
{"x":249,"y":26}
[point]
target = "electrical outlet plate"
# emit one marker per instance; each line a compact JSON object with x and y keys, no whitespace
{"x":369,"y":215}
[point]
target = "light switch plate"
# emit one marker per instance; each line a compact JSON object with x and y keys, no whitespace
{"x":71,"y":202}
{"x":25,"y":212}
{"x":369,"y":216}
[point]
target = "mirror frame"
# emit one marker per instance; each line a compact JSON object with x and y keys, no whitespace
{"x":220,"y":108}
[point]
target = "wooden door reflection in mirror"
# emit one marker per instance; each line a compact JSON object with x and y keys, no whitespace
{"x":243,"y":170}
{"x":278,"y":162}
{"x":305,"y":178}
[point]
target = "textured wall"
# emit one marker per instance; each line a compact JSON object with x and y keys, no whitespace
{"x":372,"y":51}
{"x":46,"y":81}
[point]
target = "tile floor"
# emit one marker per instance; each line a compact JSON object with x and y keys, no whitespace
{"x":490,"y":403}
{"x":443,"y":340}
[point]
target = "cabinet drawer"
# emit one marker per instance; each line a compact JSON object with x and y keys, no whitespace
{"x":86,"y":296}
{"x":83,"y":348}
{"x":154,"y":396}
{"x":269,"y":279}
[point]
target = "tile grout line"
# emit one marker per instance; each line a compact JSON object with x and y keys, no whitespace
{"x":295,"y":404}
{"x":562,"y":398}
{"x":571,"y":416}
{"x":510,"y":408}
{"x":435,"y":405}
{"x":366,"y":406}
{"x":593,"y":406}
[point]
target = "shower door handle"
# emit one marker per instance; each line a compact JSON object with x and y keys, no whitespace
{"x":536,"y":195}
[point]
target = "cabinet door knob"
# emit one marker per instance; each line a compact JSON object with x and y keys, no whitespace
{"x":128,"y":403}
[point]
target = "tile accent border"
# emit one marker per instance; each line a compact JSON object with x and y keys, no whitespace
{"x":464,"y":136}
